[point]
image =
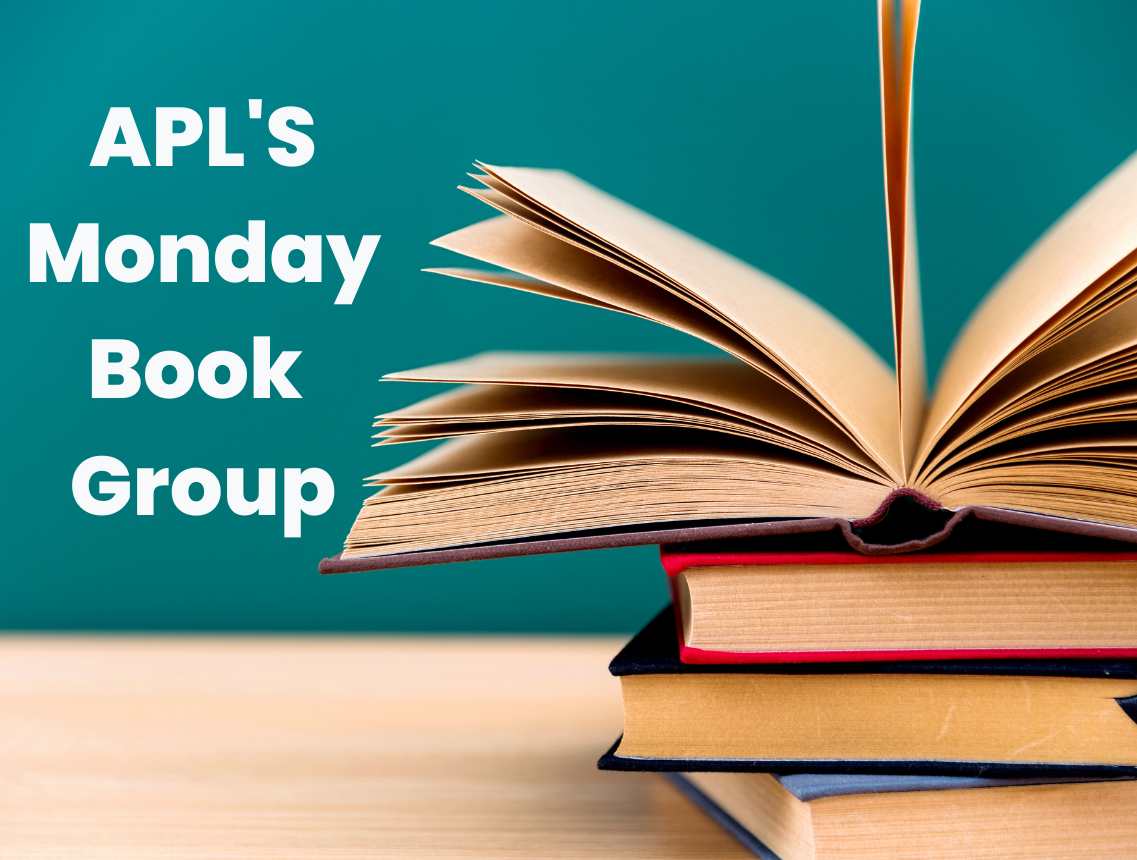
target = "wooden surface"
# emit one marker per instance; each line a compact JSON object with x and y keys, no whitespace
{"x":334,"y":747}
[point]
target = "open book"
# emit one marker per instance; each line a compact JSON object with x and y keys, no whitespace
{"x":799,"y":418}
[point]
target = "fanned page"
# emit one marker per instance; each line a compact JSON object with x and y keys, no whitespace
{"x":799,"y":419}
{"x":511,"y":486}
{"x":530,"y":390}
{"x":1035,"y":406}
{"x":1080,"y":267}
{"x":545,"y":442}
{"x":806,"y":343}
{"x":556,"y":268}
{"x":897,"y":52}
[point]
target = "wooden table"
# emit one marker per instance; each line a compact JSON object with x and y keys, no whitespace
{"x":335,"y":747}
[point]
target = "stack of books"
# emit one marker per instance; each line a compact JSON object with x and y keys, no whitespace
{"x":913,"y":634}
{"x":957,"y":702}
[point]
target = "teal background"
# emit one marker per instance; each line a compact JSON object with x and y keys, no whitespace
{"x":753,"y":125}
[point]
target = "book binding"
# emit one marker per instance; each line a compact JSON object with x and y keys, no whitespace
{"x":905,"y":522}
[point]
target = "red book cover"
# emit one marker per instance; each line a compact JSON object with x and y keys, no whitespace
{"x":677,"y":559}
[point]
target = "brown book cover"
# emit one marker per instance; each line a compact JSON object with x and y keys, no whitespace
{"x":905,"y":523}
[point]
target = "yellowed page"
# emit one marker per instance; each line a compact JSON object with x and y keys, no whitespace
{"x":1099,"y":353}
{"x":726,"y":386}
{"x":1081,"y":821}
{"x":1076,"y":415}
{"x":878,"y":717}
{"x":1110,"y":339}
{"x":1081,"y":335}
{"x":522,"y":248}
{"x":896,"y":64}
{"x":533,"y":451}
{"x":493,"y":402}
{"x":758,"y":802}
{"x":554,"y":226}
{"x":674,"y":419}
{"x":807,"y":342}
{"x":526,"y":483}
{"x":1112,"y":289}
{"x":1090,"y":248}
{"x":683,"y":391}
{"x":859,"y":607}
{"x":1063,"y":821}
{"x":527,"y":285}
{"x":621,"y":416}
{"x":1087,"y":478}
{"x":1081,"y":492}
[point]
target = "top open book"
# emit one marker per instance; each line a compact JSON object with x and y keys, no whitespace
{"x":799,"y":418}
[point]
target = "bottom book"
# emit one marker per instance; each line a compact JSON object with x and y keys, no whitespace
{"x":853,"y":817}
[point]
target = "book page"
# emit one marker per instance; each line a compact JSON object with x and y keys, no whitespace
{"x":1092,"y":821}
{"x":525,"y":249}
{"x":897,"y":48}
{"x":539,"y":409}
{"x":496,"y":454}
{"x":496,"y":196}
{"x":528,"y":285}
{"x":1081,"y":262}
{"x":807,"y":342}
{"x":508,"y":486}
{"x":1087,"y":478}
{"x":1071,"y":417}
{"x":1102,"y":353}
{"x":731,"y":389}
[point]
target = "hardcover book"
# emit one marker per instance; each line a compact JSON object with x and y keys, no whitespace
{"x":856,"y":817}
{"x":799,"y":421}
{"x":747,"y":605}
{"x":1004,"y":718}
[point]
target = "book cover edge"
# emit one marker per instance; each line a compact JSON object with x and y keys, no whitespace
{"x":684,"y":534}
{"x":916,"y":767}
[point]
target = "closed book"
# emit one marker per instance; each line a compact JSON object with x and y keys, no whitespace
{"x":766,"y":605}
{"x":1055,"y":718}
{"x":860,"y":817}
